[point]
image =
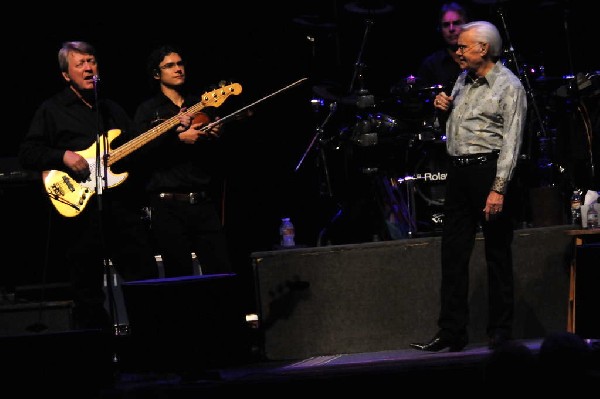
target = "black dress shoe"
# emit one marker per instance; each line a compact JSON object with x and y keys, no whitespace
{"x":441,"y":342}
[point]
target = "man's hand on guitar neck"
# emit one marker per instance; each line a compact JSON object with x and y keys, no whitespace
{"x":185,"y":121}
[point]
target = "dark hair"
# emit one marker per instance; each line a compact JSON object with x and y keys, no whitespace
{"x":156,"y":57}
{"x":457,"y":8}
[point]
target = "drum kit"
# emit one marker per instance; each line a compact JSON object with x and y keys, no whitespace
{"x":393,"y":150}
{"x":387,"y":153}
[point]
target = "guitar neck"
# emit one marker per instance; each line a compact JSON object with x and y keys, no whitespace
{"x":214,"y":98}
{"x":143,"y":139}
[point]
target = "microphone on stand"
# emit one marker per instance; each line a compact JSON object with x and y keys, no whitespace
{"x":96,"y":79}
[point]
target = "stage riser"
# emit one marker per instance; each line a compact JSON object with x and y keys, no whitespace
{"x":587,"y":309}
{"x":36,"y":317}
{"x":382,"y":296}
{"x":189,"y":322}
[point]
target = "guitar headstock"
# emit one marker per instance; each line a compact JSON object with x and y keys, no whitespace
{"x":218,"y":96}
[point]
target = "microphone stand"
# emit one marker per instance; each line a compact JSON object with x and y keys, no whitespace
{"x":101,"y":173}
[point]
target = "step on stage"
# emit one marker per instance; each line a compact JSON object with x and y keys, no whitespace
{"x":338,"y":317}
{"x":384,"y":295}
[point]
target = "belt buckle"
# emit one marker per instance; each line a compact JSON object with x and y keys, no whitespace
{"x":193,"y":198}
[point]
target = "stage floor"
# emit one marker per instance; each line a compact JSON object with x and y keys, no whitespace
{"x":403,"y":370}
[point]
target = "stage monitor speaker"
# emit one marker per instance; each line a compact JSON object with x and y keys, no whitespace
{"x":384,"y":295}
{"x":31,"y":317}
{"x":69,"y":364}
{"x":183,"y":323}
{"x":587,"y":292}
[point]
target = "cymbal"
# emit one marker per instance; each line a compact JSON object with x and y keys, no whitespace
{"x":489,"y":1}
{"x":369,"y":7}
{"x":333,"y":93}
{"x":327,"y":92}
{"x":314,"y":22}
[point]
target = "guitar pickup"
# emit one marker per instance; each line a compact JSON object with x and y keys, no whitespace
{"x":67,"y":180}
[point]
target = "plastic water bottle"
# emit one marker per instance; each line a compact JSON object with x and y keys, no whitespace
{"x":287,"y":232}
{"x":576,"y":208}
{"x":592,"y":216}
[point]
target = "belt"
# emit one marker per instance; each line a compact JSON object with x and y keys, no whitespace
{"x":473,"y":159}
{"x":190,"y":198}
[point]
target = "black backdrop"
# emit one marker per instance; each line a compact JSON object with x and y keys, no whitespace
{"x":265,"y":47}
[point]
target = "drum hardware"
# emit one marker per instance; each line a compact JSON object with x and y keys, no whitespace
{"x":580,"y":84}
{"x":373,"y":129}
{"x":407,"y":199}
{"x":318,"y":138}
{"x":367,"y":139}
{"x":410,"y":182}
{"x":524,"y":77}
{"x":435,"y":219}
{"x":423,"y":190}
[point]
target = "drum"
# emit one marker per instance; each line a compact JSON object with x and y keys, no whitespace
{"x":430,"y":173}
{"x":413,"y":105}
{"x":378,"y":128}
{"x":376,"y":143}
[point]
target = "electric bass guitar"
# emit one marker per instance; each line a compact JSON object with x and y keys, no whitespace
{"x":70,"y":197}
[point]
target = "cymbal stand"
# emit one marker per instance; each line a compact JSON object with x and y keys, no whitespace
{"x":411,"y":212}
{"x":318,"y":138}
{"x":523,"y":76}
{"x":573,"y":92}
{"x":322,"y":161}
{"x":366,"y":100}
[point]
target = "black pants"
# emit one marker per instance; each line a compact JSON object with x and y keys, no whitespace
{"x":113,"y":231}
{"x":180,"y":228}
{"x":467,"y":189}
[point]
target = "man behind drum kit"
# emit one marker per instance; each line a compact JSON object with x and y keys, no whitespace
{"x":442,"y":66}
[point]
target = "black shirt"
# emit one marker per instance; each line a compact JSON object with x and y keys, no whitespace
{"x":439,"y":68}
{"x":64,"y":122}
{"x":170,"y":164}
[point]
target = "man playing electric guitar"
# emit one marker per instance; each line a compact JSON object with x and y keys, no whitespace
{"x":65,"y":124}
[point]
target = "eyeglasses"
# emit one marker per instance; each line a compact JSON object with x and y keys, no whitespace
{"x":461,"y":49}
{"x":171,"y":65}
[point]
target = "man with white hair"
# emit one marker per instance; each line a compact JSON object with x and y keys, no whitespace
{"x":486,"y":119}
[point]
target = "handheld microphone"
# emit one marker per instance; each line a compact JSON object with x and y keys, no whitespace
{"x":96,"y":78}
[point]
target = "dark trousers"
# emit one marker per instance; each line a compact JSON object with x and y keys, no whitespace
{"x":180,"y":228}
{"x":467,"y":189}
{"x":113,"y":232}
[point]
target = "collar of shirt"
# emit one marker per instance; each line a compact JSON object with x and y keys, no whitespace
{"x":489,"y":78}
